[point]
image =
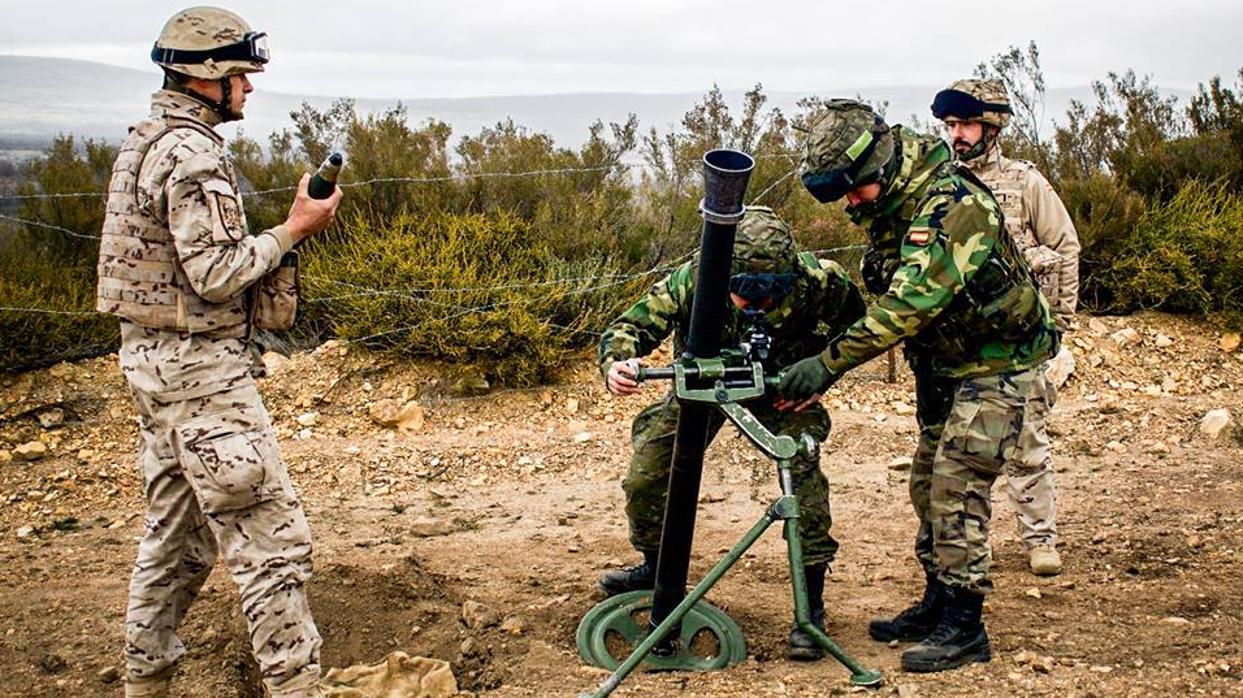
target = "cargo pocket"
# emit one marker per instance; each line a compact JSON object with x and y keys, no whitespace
{"x":983,"y":430}
{"x":230,"y":468}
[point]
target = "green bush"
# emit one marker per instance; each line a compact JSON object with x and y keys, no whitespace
{"x":33,"y":279}
{"x":475,"y":288}
{"x":1181,"y":256}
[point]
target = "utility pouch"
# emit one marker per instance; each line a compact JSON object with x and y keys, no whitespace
{"x":276,"y":296}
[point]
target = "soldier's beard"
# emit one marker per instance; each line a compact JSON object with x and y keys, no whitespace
{"x":962,"y":145}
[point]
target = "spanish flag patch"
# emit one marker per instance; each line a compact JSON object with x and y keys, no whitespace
{"x":922,"y":236}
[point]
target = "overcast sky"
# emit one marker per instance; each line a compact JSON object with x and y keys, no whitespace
{"x":364,"y":48}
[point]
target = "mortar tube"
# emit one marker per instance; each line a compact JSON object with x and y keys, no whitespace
{"x":726,"y":173}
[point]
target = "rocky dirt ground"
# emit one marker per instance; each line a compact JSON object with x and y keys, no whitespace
{"x":474,"y":530}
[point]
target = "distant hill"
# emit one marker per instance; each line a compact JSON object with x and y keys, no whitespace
{"x":40,"y":97}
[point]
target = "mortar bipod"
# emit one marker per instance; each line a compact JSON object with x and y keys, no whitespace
{"x":707,"y":638}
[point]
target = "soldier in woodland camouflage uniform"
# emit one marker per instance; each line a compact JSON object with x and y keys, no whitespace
{"x":804,"y":301}
{"x":179,"y":267}
{"x":974,"y":112}
{"x":955,"y":289}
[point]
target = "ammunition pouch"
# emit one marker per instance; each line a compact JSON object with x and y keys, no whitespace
{"x":1046,"y":266}
{"x":276,"y":296}
{"x":999,"y":304}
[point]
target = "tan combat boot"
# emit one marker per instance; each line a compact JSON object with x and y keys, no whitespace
{"x":154,"y":686}
{"x":1044,"y":560}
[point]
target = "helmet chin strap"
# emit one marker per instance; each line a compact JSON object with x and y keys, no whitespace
{"x":225,"y":106}
{"x":987,"y":137}
{"x":222,"y":106}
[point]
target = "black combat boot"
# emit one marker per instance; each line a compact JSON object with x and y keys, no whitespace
{"x":957,"y":640}
{"x":916,"y":622}
{"x":801,"y":645}
{"x":633,"y":578}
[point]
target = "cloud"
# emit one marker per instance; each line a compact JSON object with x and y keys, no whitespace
{"x":399,"y":49}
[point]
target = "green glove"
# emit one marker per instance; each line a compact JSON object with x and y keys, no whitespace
{"x":805,"y":378}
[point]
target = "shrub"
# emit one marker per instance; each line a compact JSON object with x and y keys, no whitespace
{"x":483,"y":289}
{"x":33,"y":279}
{"x":1182,"y":256}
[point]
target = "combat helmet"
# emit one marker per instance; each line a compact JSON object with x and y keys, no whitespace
{"x":209,"y":43}
{"x":848,"y":146}
{"x":974,"y":99}
{"x":764,"y":261}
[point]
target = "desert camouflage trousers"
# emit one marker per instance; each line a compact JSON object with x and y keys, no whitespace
{"x":970,"y":430}
{"x":1029,"y":475}
{"x":215,"y":485}
{"x":647,"y":484}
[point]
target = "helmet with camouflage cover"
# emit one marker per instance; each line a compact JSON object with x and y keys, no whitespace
{"x":209,"y":43}
{"x":763,"y":267}
{"x":974,"y":99}
{"x":848,"y":146}
{"x":763,"y":243}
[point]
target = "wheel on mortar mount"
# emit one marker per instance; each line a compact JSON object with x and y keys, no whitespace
{"x":608,"y":633}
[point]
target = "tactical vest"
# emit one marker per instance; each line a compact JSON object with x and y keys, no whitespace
{"x":140,"y":276}
{"x":1000,"y":303}
{"x":1007,"y":184}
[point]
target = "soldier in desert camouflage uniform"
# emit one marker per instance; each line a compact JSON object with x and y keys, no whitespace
{"x":955,"y":289}
{"x":179,"y":267}
{"x":975,"y":112}
{"x":805,"y":301}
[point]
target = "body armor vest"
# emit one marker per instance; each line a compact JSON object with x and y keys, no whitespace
{"x":140,"y":276}
{"x":1008,"y":184}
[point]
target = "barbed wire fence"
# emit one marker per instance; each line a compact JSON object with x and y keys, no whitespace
{"x":562,"y":288}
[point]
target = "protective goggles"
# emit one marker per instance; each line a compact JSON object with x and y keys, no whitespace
{"x":757,"y":288}
{"x":253,"y":48}
{"x":961,"y":105}
{"x":831,"y":185}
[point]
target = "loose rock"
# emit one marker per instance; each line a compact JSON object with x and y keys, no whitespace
{"x":1230,"y":342}
{"x":274,"y":363}
{"x":50,"y":418}
{"x":408,"y":416}
{"x":1060,"y":367}
{"x":514,"y":625}
{"x":430,"y":528}
{"x":108,"y":675}
{"x":30,"y":451}
{"x":899,"y":463}
{"x":1214,"y":423}
{"x":476,"y":615}
{"x":1125,"y":337}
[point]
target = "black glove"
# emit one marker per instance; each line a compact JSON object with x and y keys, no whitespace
{"x":805,"y":378}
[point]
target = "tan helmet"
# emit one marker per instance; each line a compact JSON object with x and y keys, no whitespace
{"x":974,"y":99}
{"x":210,"y":43}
